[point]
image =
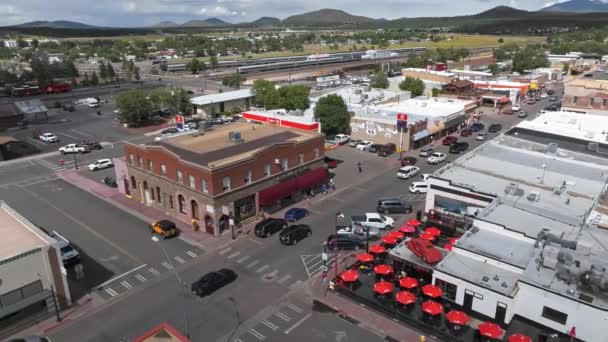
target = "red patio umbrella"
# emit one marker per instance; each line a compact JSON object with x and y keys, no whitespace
{"x":453,"y":240}
{"x":427,"y":236}
{"x":407,"y":229}
{"x":383,"y":269}
{"x":349,"y":275}
{"x":457,"y":317}
{"x":433,"y":231}
{"x":413,"y":222}
{"x":396,"y":235}
{"x":432,"y":291}
{"x":405,"y":298}
{"x":377,"y":249}
{"x":490,"y":330}
{"x":408,"y":282}
{"x":383,"y":287}
{"x":389,"y":240}
{"x":432,"y":308}
{"x":365,"y":257}
{"x":520,"y":338}
{"x":448,"y":246}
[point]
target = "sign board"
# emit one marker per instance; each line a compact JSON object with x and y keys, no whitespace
{"x":324,"y":256}
{"x":402,"y":117}
{"x":179,"y":119}
{"x":401,"y":121}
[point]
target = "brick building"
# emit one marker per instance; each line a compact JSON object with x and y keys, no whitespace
{"x":229,"y":172}
{"x":586,"y":97}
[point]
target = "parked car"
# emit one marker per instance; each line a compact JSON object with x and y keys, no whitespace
{"x":466,"y":132}
{"x":522,"y":115}
{"x":477,"y":127}
{"x":269,"y":226}
{"x":480,"y":137}
{"x":164,"y":228}
{"x":344,"y":241}
{"x":364,"y":145}
{"x":294,"y":233}
{"x":171,"y":130}
{"x":360,"y":232}
{"x":342,"y":139}
{"x":553,"y":107}
{"x":393,"y":205}
{"x":294,"y":214}
{"x":407,"y":160}
{"x":69,"y":107}
{"x":100,"y":164}
{"x":425,"y":250}
{"x":48,"y":137}
{"x":31,"y":339}
{"x":69,"y":254}
{"x":407,"y":172}
{"x":543,"y":96}
{"x":495,"y":128}
{"x":73,"y":148}
{"x":508,"y":111}
{"x":374,"y":148}
{"x":330,"y":162}
{"x":387,"y":149}
{"x":94,"y":105}
{"x":515,"y":107}
{"x":459,"y":147}
{"x":426,"y":151}
{"x":354,"y":143}
{"x":374,"y":220}
{"x":550,"y":91}
{"x":553,"y":98}
{"x":419,"y":188}
{"x":436,"y":158}
{"x":213,"y":281}
{"x":449,"y":140}
{"x":531,"y":101}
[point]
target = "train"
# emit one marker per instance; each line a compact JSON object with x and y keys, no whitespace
{"x":51,"y":88}
{"x":172,"y":67}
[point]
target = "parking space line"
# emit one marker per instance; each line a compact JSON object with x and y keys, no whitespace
{"x":284,"y":279}
{"x":224,"y":251}
{"x":81,"y":133}
{"x":167,"y":265}
{"x":271,"y":274}
{"x":282,"y":316}
{"x":243,"y":259}
{"x":111,"y":292}
{"x":192,"y":254}
{"x":69,"y":136}
{"x":237,"y":340}
{"x":270,"y":325}
{"x":140,"y":277}
{"x":295,"y":308}
{"x":297,"y":283}
{"x":261,"y":269}
{"x":253,"y":263}
{"x":126,"y":284}
{"x":290,"y":329}
{"x":234,"y":255}
{"x":180,"y":260}
{"x":154,"y":271}
{"x":257,"y":334}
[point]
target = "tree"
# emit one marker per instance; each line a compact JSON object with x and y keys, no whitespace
{"x":136,"y":73}
{"x":213,"y":62}
{"x":133,"y":107}
{"x":103,"y":71}
{"x":331,"y":112}
{"x":41,"y":71}
{"x":435,"y":92}
{"x":85,"y":81}
{"x":111,"y":73}
{"x":528,"y":58}
{"x":22,"y":43}
{"x":35,"y":43}
{"x":414,"y":85}
{"x":379,"y":80}
{"x":500,"y":40}
{"x":294,"y":97}
{"x":194,"y":66}
{"x":234,"y":80}
{"x":493,"y":68}
{"x":154,"y":70}
{"x":70,"y":69}
{"x":266,"y":95}
{"x":94,"y":79}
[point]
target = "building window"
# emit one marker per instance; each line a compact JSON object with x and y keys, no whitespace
{"x":591,"y":101}
{"x":163,"y":170}
{"x":449,"y":289}
{"x":131,"y":159}
{"x":266,"y":170}
{"x":149,"y":165}
{"x":158,"y":194}
{"x":554,"y":315}
{"x":248,"y":177}
{"x":301,"y":158}
{"x":180,"y":177}
{"x":140,"y":162}
{"x":226,"y":183}
{"x":317,"y":152}
{"x":181,"y":202}
{"x":192,"y":182}
{"x":205,"y":186}
{"x":604,"y":102}
{"x":133,"y":183}
{"x":574,"y":99}
{"x":284,"y":164}
{"x":171,"y":202}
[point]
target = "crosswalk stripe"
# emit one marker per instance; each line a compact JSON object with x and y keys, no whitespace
{"x":180,"y":260}
{"x":140,"y":277}
{"x":257,"y":334}
{"x":284,"y":279}
{"x":153,"y":271}
{"x":167,"y":265}
{"x":192,"y":254}
{"x":234,"y":255}
{"x":297,"y":283}
{"x":282,"y":316}
{"x":243,"y":259}
{"x":295,"y":308}
{"x":261,"y":269}
{"x":111,"y":292}
{"x":126,"y":284}
{"x":253,"y":263}
{"x":224,"y":251}
{"x":270,"y":325}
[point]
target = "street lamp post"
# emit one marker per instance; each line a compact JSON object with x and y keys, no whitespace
{"x":75,"y":161}
{"x":542,"y":177}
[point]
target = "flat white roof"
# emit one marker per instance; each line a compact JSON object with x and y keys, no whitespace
{"x":427,"y":107}
{"x":593,"y":128}
{"x":501,"y":83}
{"x":471,"y":72}
{"x":306,"y":118}
{"x":221,"y":97}
{"x":18,"y":234}
{"x":431,"y":72}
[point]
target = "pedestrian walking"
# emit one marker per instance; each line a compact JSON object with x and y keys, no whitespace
{"x":324,"y":189}
{"x":332,"y":184}
{"x":360,"y":167}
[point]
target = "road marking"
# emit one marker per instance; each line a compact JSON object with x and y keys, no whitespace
{"x":126,"y":284}
{"x":153,"y":271}
{"x":192,"y":254}
{"x":120,"y":276}
{"x":284,"y":279}
{"x":36,"y":141}
{"x":111,"y":292}
{"x":243,"y":259}
{"x":224,"y":251}
{"x":360,"y":189}
{"x":295,"y":308}
{"x":140,"y":277}
{"x":234,"y":255}
{"x":180,"y":260}
{"x":253,"y":263}
{"x":82,"y":133}
{"x":270,"y":325}
{"x":256,"y":241}
{"x":40,"y":181}
{"x":257,"y":334}
{"x":297,"y":283}
{"x":237,"y":340}
{"x":290,"y":329}
{"x":167,"y":265}
{"x":282,"y":316}
{"x":337,"y":199}
{"x":69,"y":136}
{"x":271,"y":274}
{"x":261,"y":269}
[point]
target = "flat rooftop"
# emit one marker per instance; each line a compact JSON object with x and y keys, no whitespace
{"x":18,"y":234}
{"x":213,"y":148}
{"x":222,"y":97}
{"x":491,"y":243}
{"x":592,"y":128}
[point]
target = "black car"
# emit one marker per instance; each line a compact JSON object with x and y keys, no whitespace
{"x":342,"y":241}
{"x":213,"y":281}
{"x":553,"y":98}
{"x":269,"y":226}
{"x":393,"y":205}
{"x":459,"y":147}
{"x":550,"y":91}
{"x":374,"y":148}
{"x":292,"y":234}
{"x":407,"y":160}
{"x":495,"y":128}
{"x":169,"y":130}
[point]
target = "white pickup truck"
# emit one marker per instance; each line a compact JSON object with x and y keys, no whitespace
{"x":374,"y":220}
{"x":69,"y":254}
{"x":73,"y":148}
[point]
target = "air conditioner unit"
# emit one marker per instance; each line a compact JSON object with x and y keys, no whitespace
{"x":277,"y":161}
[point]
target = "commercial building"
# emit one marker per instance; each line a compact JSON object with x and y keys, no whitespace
{"x":515,"y":91}
{"x":236,"y":101}
{"x":442,"y":77}
{"x":229,"y":172}
{"x":586,"y":96}
{"x":290,"y":119}
{"x":31,"y":276}
{"x":530,"y":213}
{"x":32,"y":110}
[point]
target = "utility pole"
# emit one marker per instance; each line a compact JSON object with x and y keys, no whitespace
{"x":401,"y":143}
{"x":75,"y":161}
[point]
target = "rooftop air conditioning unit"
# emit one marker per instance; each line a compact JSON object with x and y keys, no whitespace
{"x":551,"y":148}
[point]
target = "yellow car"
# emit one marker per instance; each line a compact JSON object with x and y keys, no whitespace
{"x":164,"y":228}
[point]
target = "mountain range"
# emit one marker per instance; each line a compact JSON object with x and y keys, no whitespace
{"x":577,"y":6}
{"x":59,"y":24}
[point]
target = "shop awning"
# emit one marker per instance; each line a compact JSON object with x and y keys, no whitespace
{"x":422,"y":134}
{"x":455,"y":121}
{"x":312,"y":178}
{"x":278,"y":191}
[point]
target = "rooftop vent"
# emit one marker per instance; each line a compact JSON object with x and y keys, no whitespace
{"x":496,"y":278}
{"x":485,"y":279}
{"x":504,"y":284}
{"x":551,"y":148}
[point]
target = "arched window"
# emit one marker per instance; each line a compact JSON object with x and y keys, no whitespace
{"x":133,"y":183}
{"x":194,"y":207}
{"x":181,"y":202}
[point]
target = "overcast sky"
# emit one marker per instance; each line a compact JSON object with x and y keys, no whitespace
{"x":148,"y":12}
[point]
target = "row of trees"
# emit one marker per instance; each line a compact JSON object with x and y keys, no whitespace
{"x":286,"y":97}
{"x":137,"y":106}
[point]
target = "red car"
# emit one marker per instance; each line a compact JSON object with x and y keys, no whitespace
{"x":466,"y":132}
{"x":408,"y":161}
{"x":449,"y":140}
{"x":508,"y":111}
{"x":425,"y":250}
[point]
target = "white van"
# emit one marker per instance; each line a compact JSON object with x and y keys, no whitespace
{"x":407,"y":172}
{"x":419,"y":187}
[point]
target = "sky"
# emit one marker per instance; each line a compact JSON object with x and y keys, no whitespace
{"x":132,"y":13}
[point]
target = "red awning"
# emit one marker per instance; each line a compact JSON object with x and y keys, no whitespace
{"x":520,"y":338}
{"x":312,"y":178}
{"x":432,"y":291}
{"x":432,"y":308}
{"x":389,"y":240}
{"x":407,"y":229}
{"x":383,"y":287}
{"x":383,"y":269}
{"x":405,"y":298}
{"x":365,"y":257}
{"x":433,"y":231}
{"x":377,"y":249}
{"x":278,"y":191}
{"x":396,"y":235}
{"x":457,"y":317}
{"x":349,"y":275}
{"x":413,"y":223}
{"x":408,"y":282}
{"x":490,"y":330}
